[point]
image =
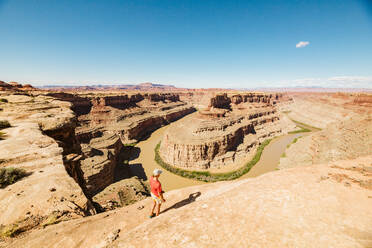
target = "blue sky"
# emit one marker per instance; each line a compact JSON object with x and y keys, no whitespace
{"x":194,"y":43}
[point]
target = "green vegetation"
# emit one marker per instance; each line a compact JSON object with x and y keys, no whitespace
{"x":51,"y":220}
{"x":302,"y":130}
{"x":283,"y":155}
{"x":286,"y":111}
{"x":306,"y":126}
{"x":295,"y":140}
{"x":206,"y":176}
{"x":10,"y":175}
{"x":4,"y":124}
{"x":3,"y":100}
{"x":131,"y":144}
{"x":9,"y":231}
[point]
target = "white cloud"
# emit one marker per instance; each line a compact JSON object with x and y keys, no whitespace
{"x":331,"y":82}
{"x":302,"y":44}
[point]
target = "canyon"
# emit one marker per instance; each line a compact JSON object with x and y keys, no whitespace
{"x":75,"y":146}
{"x":88,"y":155}
{"x":228,"y":129}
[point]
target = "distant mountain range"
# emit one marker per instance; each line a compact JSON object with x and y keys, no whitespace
{"x":142,"y":86}
{"x":308,"y":89}
{"x":162,"y":87}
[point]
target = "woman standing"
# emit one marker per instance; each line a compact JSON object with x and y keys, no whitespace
{"x":156,"y":192}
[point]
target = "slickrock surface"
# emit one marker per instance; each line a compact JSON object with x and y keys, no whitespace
{"x":229,"y":129}
{"x":346,"y":139}
{"x":326,"y":205}
{"x":49,"y":189}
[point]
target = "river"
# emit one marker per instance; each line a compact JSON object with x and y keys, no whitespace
{"x":268,"y":162}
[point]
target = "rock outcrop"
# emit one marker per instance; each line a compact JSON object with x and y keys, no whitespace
{"x":106,"y":123}
{"x":227,"y":130}
{"x":321,"y":109}
{"x":14,"y":86}
{"x":346,"y":119}
{"x":347,"y":139}
{"x":326,"y":205}
{"x":48,"y":189}
{"x":72,"y":147}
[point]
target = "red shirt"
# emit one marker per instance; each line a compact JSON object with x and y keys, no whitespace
{"x":155,"y":186}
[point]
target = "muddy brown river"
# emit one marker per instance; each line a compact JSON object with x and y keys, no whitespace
{"x":268,"y":162}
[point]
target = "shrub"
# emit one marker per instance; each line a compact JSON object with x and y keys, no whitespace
{"x":131,"y":144}
{"x":9,"y":231}
{"x":302,"y":130}
{"x":206,"y":176}
{"x":51,"y":220}
{"x":305,"y":126}
{"x":3,"y":100}
{"x":4,"y":124}
{"x":10,"y":175}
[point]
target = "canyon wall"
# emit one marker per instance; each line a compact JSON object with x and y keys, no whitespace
{"x":73,"y":146}
{"x":346,"y":139}
{"x":346,"y":119}
{"x":216,"y":137}
{"x":48,"y":190}
{"x":107,"y":123}
{"x":321,"y":109}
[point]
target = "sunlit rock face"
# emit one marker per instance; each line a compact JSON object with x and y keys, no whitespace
{"x":230,"y":127}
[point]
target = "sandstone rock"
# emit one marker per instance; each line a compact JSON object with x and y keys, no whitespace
{"x":106,"y":122}
{"x":210,"y":140}
{"x":349,"y":138}
{"x":25,"y":146}
{"x":286,"y":208}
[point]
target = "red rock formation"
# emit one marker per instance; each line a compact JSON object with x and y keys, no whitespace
{"x":208,"y":144}
{"x":105,"y":123}
{"x":231,"y":126}
{"x":220,"y":101}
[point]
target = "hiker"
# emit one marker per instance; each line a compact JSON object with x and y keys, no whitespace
{"x":156,"y":192}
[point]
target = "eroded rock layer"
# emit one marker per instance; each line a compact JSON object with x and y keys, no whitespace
{"x":48,"y":190}
{"x":346,"y":119}
{"x":72,"y":147}
{"x":326,"y":205}
{"x":232,"y":126}
{"x":107,"y":123}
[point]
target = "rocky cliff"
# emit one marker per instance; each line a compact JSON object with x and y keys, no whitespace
{"x":48,"y":190}
{"x":72,"y":148}
{"x":321,"y":109}
{"x":214,"y":140}
{"x":325,"y":205}
{"x":106,"y":123}
{"x":346,"y":139}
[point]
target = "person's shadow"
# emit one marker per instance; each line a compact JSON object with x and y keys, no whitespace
{"x":192,"y":197}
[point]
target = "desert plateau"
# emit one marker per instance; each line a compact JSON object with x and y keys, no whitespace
{"x":86,"y":158}
{"x":186,"y":124}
